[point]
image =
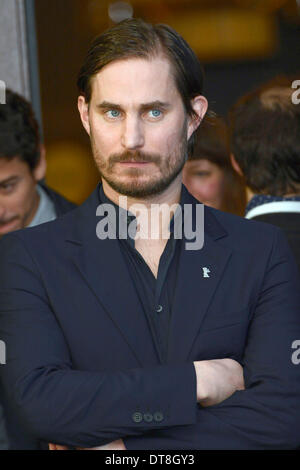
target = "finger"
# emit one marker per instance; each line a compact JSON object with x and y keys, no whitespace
{"x":57,"y":447}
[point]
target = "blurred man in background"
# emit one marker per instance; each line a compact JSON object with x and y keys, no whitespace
{"x":25,"y":201}
{"x":265,"y":138}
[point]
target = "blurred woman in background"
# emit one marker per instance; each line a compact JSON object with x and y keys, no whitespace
{"x":208,"y":174}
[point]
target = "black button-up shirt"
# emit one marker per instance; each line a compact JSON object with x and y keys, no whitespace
{"x":156,"y":295}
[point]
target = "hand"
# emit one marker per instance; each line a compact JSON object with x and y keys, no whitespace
{"x":217,"y":380}
{"x":57,"y":447}
{"x":115,"y":445}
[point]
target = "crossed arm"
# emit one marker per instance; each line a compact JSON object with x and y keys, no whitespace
{"x":216,"y":380}
{"x":85,"y":409}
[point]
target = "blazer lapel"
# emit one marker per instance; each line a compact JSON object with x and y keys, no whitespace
{"x":103,"y":268}
{"x":199,"y":275}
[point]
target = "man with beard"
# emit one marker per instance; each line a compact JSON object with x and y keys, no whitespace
{"x":149,"y":342}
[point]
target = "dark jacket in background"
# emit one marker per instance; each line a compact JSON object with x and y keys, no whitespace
{"x":289,"y":222}
{"x":284,"y":212}
{"x":17,"y":436}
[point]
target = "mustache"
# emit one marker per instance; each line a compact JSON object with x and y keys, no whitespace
{"x":134,"y":157}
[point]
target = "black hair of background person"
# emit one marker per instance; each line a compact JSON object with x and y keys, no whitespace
{"x":19,"y":131}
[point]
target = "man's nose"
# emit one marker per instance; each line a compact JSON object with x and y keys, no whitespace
{"x":133,"y":134}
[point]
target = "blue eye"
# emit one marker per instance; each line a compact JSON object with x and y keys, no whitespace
{"x":155,"y":113}
{"x":113,"y":113}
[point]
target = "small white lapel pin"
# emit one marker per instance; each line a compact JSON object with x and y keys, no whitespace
{"x":206,"y":272}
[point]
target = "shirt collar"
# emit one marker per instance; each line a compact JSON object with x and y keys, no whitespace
{"x":45,"y":211}
{"x":260,"y":199}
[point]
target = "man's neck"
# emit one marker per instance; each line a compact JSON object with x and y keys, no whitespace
{"x":249,"y":194}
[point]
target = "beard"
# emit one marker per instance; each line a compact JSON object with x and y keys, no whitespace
{"x":169,"y":167}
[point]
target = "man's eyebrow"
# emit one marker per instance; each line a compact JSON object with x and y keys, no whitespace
{"x":155,"y":104}
{"x":105,"y":105}
{"x":11,"y":179}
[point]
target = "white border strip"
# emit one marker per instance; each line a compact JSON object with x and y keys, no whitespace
{"x":274,"y":207}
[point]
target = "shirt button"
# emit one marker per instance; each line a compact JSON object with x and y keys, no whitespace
{"x":158,"y":416}
{"x":137,"y":417}
{"x":148,"y":417}
{"x":159,"y":308}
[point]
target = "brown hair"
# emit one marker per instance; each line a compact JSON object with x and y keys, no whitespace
{"x":265,"y":138}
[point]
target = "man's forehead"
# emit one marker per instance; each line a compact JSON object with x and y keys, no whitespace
{"x":136,"y":78}
{"x":11,"y":164}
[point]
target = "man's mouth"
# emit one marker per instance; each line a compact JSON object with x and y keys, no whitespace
{"x":133,"y":163}
{"x":6,"y":224}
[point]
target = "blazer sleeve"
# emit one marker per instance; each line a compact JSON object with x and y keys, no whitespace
{"x":266,"y":415}
{"x":75,"y":407}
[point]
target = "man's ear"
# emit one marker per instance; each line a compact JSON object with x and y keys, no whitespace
{"x":199,"y":105}
{"x":39,"y":172}
{"x":83,"y":109}
{"x":235,"y":165}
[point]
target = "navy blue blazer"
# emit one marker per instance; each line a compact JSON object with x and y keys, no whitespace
{"x":82,"y":365}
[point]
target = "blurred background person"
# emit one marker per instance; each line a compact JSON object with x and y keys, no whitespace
{"x":208,"y":173}
{"x":25,"y":201}
{"x":265,"y":143}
